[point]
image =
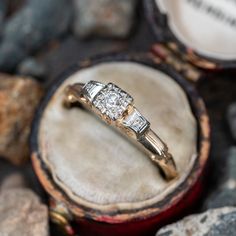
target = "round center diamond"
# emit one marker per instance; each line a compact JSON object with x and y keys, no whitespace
{"x":112,"y":100}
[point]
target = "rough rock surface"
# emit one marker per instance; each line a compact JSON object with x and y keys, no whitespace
{"x":217,"y":222}
{"x":225,"y":194}
{"x":22,"y":214}
{"x":14,"y":5}
{"x":19,"y":98}
{"x":231,"y":117}
{"x":107,"y":18}
{"x":32,"y":67}
{"x":13,"y":181}
{"x":31,"y":27}
{"x":2,"y":13}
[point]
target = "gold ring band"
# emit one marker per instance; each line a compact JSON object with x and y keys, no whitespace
{"x":115,"y":107}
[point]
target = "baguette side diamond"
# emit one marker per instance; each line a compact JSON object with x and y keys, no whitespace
{"x":91,"y":89}
{"x":136,"y":122}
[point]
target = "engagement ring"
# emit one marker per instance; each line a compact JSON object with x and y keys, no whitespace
{"x":116,"y":107}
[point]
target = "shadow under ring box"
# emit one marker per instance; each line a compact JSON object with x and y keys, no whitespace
{"x":99,"y":183}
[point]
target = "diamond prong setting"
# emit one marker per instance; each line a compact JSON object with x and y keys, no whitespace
{"x":112,"y":101}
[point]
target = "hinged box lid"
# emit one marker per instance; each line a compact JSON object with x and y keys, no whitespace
{"x":204,"y":31}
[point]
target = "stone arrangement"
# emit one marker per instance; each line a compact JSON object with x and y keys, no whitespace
{"x":36,"y":24}
{"x":40,"y":39}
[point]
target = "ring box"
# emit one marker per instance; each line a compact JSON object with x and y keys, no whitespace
{"x":98,"y":182}
{"x":199,"y":32}
{"x":94,"y":176}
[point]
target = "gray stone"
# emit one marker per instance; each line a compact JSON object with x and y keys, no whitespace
{"x":32,"y":67}
{"x":3,"y":10}
{"x":217,"y":222}
{"x":14,"y":5}
{"x":31,"y":27}
{"x":109,"y":18}
{"x":22,"y":214}
{"x":10,"y":55}
{"x":225,"y":194}
{"x":231,"y":118}
{"x":13,"y":181}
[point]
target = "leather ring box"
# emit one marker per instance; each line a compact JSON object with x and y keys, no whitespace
{"x":98,"y":182}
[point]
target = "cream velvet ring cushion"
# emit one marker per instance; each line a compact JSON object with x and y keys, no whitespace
{"x":207,"y":26}
{"x":94,"y":163}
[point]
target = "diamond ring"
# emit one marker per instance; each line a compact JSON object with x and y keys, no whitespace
{"x":115,"y":107}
